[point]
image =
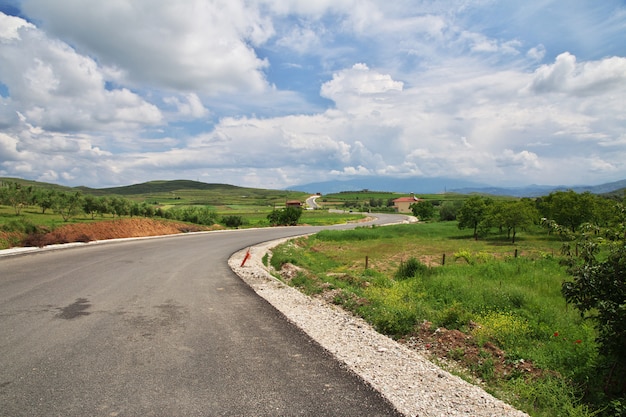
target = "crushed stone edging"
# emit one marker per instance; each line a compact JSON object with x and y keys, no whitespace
{"x":413,"y":384}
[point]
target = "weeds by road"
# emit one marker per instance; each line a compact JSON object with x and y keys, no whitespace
{"x":494,"y":312}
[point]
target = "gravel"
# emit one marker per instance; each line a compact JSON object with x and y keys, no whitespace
{"x":413,"y":384}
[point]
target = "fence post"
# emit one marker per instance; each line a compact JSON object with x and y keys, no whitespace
{"x":367,"y":258}
{"x":443,"y":259}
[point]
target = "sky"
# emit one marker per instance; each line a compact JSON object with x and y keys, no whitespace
{"x":272,"y":94}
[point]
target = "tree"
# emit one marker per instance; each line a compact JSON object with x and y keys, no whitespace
{"x":91,"y":205}
{"x":471,"y":213}
{"x":16,"y":195}
{"x":119,"y":206}
{"x":517,"y":215}
{"x":598,"y":291}
{"x":68,"y":205}
{"x":449,"y":210}
{"x":423,"y":210}
{"x":568,"y":208}
{"x":44,"y":199}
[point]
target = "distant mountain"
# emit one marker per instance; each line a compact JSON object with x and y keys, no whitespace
{"x":400,"y":185}
{"x":441,"y":185}
{"x":609,"y":187}
{"x":539,"y":190}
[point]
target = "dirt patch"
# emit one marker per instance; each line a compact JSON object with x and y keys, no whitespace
{"x":460,"y":349}
{"x":110,"y":229}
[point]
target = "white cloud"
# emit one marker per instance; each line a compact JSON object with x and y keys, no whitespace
{"x":302,"y":38}
{"x":191,"y":107}
{"x":59,"y":89}
{"x":524,"y":159}
{"x":10,"y":27}
{"x":359,"y":87}
{"x":536,"y":53}
{"x":588,"y":78}
{"x":191,"y":46}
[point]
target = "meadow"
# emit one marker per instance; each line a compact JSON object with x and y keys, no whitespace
{"x":513,"y":332}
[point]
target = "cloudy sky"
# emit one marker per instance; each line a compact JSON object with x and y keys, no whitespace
{"x":275,"y":93}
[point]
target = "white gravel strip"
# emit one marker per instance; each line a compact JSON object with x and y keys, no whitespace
{"x":413,"y":384}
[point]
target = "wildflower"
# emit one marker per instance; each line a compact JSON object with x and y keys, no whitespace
{"x":578,"y":342}
{"x":556,"y":334}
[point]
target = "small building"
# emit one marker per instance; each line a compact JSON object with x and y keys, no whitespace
{"x":403,"y":204}
{"x":293,"y":203}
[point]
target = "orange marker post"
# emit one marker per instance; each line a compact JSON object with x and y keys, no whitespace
{"x":245,"y":258}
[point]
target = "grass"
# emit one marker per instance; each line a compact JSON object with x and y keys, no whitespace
{"x":498,"y":300}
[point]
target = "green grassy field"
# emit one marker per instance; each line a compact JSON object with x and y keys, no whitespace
{"x":497,"y":299}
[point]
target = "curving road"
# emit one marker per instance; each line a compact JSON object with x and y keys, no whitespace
{"x":160,"y":327}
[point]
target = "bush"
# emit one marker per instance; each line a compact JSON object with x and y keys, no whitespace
{"x":288,"y":216}
{"x":232,"y":221}
{"x":410,"y":269}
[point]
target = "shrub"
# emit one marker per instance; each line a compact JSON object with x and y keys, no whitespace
{"x":411,"y":268}
{"x":232,"y":221}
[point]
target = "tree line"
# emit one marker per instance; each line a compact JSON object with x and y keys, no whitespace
{"x":73,"y":203}
{"x":485,"y":215}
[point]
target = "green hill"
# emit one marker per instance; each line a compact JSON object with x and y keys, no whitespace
{"x":153,"y":187}
{"x":182,"y":192}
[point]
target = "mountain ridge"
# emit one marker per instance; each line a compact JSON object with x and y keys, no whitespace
{"x":438,"y":185}
{"x":400,"y":185}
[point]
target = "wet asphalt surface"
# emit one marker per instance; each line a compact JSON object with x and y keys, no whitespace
{"x":160,"y":327}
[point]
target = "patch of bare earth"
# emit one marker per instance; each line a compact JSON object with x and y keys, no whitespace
{"x":459,"y":349}
{"x":111,"y":229}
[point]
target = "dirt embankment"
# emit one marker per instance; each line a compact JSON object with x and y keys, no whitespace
{"x":110,"y":229}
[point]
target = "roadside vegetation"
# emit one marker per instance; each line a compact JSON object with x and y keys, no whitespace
{"x":30,"y":210}
{"x":526,"y":297}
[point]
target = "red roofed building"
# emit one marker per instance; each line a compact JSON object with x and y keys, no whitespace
{"x":403,"y":204}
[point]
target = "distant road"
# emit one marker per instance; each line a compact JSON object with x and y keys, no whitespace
{"x":311,"y":201}
{"x":161,"y":327}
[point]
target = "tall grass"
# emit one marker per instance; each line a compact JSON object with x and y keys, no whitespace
{"x":497,"y":299}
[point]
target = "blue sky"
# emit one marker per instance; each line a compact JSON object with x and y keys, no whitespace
{"x":277,"y":93}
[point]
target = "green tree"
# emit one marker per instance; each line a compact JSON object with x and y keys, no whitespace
{"x":423,"y":210}
{"x":44,"y":198}
{"x":568,"y":208}
{"x":16,"y":195}
{"x":598,"y":291}
{"x":471,"y":213}
{"x":516,"y":215}
{"x":68,"y":205}
{"x":91,"y":205}
{"x":119,"y":206}
{"x":448,"y":210}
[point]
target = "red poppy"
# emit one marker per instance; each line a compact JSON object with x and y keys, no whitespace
{"x":556,"y":334}
{"x":578,"y":341}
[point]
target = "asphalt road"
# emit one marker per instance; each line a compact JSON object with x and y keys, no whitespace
{"x":160,"y":327}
